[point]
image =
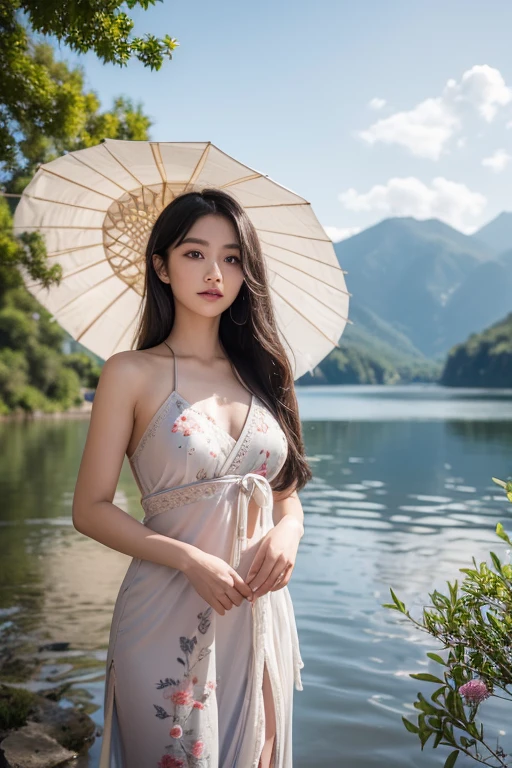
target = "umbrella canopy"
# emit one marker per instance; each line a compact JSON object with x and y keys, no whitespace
{"x":95,"y":209}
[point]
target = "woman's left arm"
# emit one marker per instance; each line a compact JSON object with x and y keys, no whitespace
{"x":288,"y":507}
{"x":274,"y":561}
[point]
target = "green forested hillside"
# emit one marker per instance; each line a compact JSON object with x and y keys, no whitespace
{"x":356,"y":365}
{"x":484,"y":360}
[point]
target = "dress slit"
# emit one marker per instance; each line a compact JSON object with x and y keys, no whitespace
{"x":272,"y":697}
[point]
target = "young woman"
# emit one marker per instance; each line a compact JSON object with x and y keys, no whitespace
{"x":203,"y":652}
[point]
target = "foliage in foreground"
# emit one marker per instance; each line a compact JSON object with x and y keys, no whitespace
{"x":475,"y":626}
{"x":35,"y":90}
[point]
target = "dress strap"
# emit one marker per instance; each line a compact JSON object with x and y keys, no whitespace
{"x":175,"y":367}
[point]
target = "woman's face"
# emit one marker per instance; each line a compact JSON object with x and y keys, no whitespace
{"x":208,"y":259}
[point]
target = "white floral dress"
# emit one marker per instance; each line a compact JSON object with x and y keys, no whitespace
{"x":184,"y":684}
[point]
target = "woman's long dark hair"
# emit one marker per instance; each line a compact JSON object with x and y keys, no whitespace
{"x":254,"y":348}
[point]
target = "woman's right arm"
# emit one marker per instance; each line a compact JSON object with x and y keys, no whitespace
{"x":110,"y":430}
{"x":94,"y":513}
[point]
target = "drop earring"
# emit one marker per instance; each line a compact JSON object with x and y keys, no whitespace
{"x":246,"y":316}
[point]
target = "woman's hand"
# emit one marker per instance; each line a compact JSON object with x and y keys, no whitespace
{"x":274,"y":561}
{"x":216,"y":581}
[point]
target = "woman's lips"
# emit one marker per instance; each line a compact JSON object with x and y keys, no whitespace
{"x":210,"y":296}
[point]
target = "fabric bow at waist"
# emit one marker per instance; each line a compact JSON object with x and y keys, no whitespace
{"x":251,"y":485}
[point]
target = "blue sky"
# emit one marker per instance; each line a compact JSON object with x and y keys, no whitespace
{"x":366,"y":109}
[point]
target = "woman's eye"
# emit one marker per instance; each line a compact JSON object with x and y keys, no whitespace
{"x":191,"y":253}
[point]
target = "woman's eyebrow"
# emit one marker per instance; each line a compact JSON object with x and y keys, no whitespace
{"x":205,"y":242}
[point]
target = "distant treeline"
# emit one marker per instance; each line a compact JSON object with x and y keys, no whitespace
{"x":350,"y":365}
{"x":484,"y":360}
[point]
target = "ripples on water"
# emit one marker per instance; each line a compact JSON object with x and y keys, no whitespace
{"x":401,"y":497}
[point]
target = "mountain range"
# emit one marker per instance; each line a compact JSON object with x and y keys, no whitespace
{"x":419,"y":287}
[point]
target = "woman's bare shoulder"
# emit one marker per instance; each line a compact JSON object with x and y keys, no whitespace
{"x":130,"y":361}
{"x":131,"y":369}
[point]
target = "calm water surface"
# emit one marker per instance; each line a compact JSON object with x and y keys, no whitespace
{"x":402,"y":497}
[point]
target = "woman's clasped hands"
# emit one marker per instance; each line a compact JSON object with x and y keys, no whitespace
{"x":222,"y":586}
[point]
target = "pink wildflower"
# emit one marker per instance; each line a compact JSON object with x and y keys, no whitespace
{"x":211,"y":684}
{"x":197,"y":748}
{"x":198,"y":705}
{"x":176,"y":732}
{"x":474,"y":691}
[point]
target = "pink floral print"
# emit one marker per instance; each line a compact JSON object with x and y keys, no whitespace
{"x":168,"y":761}
{"x":262,"y":469}
{"x":197,"y":748}
{"x":187,"y":695}
{"x":186,"y":425}
{"x":261,"y":422}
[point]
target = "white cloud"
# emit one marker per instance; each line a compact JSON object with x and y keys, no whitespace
{"x":341,"y":233}
{"x":423,"y":130}
{"x":446,"y":200}
{"x":426,"y":129}
{"x":377,"y":103}
{"x":461,"y":142}
{"x":482,"y":88}
{"x":498,"y":161}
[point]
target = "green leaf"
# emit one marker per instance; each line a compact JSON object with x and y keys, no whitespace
{"x":426,"y":677}
{"x":498,"y":625}
{"x":472,"y":729}
{"x":434,"y":696}
{"x":450,"y":760}
{"x":426,"y":707}
{"x":439,"y":736}
{"x":410,"y":726}
{"x":437,"y":658}
{"x":502,"y":533}
{"x":424,"y":737}
{"x":397,"y":602}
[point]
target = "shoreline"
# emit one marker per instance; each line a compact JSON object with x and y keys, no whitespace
{"x":72,"y":413}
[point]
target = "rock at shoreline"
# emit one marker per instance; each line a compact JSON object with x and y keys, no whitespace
{"x":32,"y":747}
{"x":46,"y":734}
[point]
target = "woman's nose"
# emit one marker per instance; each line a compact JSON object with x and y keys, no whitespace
{"x":214,"y":271}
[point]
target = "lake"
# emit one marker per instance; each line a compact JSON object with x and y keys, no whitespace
{"x":402,"y":497}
